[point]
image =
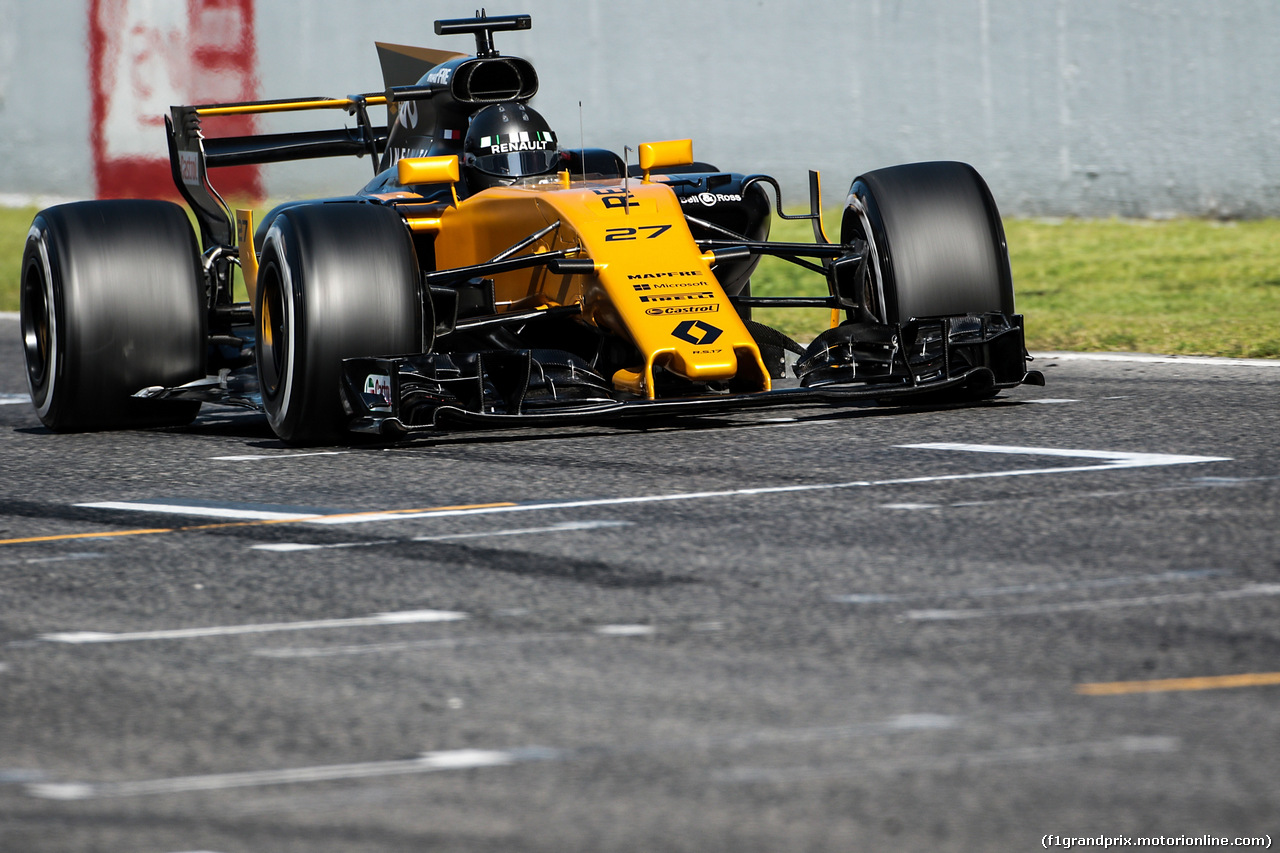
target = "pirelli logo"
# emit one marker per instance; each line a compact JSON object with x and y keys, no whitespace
{"x":691,"y":296}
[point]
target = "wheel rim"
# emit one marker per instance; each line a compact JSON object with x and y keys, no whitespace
{"x":273,"y":341}
{"x":39,"y":329}
{"x":37,"y":334}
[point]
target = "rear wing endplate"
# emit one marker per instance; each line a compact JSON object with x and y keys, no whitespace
{"x":192,"y":154}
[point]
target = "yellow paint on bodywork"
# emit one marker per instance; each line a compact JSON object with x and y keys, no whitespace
{"x":265,"y":324}
{"x":652,"y":285}
{"x":248,"y":252}
{"x":423,"y":223}
{"x":427,"y":170}
{"x":260,"y":107}
{"x":413,"y":171}
{"x":661,"y":155}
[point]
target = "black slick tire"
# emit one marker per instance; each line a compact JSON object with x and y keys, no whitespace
{"x":112,"y":302}
{"x":335,"y":281}
{"x":939,"y":245}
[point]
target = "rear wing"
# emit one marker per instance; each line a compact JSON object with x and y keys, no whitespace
{"x":192,"y":154}
{"x":461,"y":85}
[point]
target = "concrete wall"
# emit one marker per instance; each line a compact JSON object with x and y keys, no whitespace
{"x":1067,"y":107}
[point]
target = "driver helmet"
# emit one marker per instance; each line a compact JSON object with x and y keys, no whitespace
{"x":506,"y":142}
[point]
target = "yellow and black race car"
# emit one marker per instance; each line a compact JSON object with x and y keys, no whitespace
{"x":488,"y":274}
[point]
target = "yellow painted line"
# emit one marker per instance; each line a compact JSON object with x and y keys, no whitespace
{"x":408,"y":511}
{"x":66,"y":536}
{"x":259,"y":523}
{"x":1170,"y":685}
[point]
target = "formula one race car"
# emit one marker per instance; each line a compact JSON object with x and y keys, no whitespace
{"x":489,"y":275}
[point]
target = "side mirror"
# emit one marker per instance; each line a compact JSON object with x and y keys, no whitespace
{"x":412,"y":171}
{"x":660,"y":155}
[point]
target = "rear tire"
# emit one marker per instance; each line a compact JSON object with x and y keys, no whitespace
{"x":335,"y":281}
{"x":112,"y":302}
{"x":938,"y":241}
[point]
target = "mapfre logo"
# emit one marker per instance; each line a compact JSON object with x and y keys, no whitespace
{"x":651,"y":275}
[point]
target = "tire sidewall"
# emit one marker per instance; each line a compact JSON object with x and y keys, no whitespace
{"x":43,"y":388}
{"x":279,"y":259}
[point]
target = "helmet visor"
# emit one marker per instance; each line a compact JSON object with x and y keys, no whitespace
{"x":514,"y":155}
{"x":516,"y":164}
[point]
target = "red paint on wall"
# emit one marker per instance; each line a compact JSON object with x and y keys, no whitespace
{"x":145,"y":57}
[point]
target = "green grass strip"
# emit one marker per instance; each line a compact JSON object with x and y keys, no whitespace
{"x":1181,"y":287}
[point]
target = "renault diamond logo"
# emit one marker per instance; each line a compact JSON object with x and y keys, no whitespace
{"x":697,"y":332}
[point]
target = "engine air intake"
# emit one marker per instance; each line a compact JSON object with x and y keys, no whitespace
{"x":494,"y":80}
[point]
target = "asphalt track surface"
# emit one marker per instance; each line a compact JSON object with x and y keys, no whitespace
{"x":812,"y":629}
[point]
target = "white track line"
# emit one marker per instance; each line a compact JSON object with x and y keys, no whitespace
{"x":309,"y":652}
{"x":1251,"y":591}
{"x":404,"y":617}
{"x":429,"y":762}
{"x":626,"y":630}
{"x":266,"y":457}
{"x":1118,"y":459}
{"x":1144,"y":358}
{"x":240,"y":514}
{"x":465,"y":759}
{"x":1113,"y":460}
{"x":1034,"y":588}
{"x":1133,"y":744}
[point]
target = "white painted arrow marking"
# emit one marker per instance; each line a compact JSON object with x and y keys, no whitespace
{"x":1113,"y":460}
{"x":202,"y":510}
{"x":1117,"y":459}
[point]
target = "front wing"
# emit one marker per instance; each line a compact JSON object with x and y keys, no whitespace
{"x":937,"y":360}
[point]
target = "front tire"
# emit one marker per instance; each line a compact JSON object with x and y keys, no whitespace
{"x":335,"y":281}
{"x":112,"y":302}
{"x":938,"y":242}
